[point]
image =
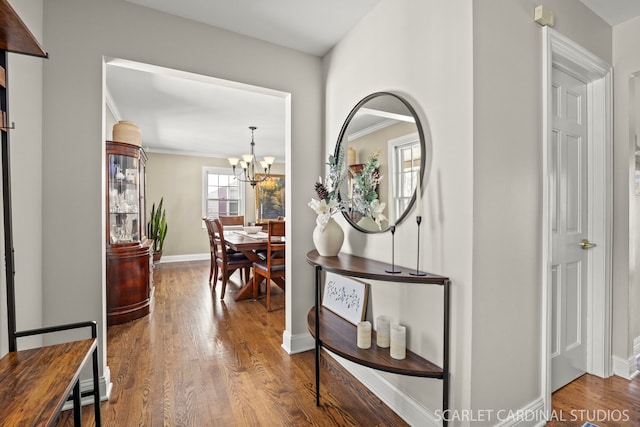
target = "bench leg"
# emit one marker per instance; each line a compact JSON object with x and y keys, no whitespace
{"x":96,"y":389}
{"x":77,"y":405}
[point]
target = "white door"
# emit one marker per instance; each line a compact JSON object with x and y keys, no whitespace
{"x":569,"y":228}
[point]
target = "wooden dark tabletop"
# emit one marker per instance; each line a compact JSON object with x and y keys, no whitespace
{"x":351,"y":265}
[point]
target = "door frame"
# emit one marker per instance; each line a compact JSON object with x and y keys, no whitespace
{"x":564,"y":54}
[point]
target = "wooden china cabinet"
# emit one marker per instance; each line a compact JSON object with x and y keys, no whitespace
{"x":129,"y":253}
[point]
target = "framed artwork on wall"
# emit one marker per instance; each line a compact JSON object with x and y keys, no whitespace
{"x":346,"y":297}
{"x":270,"y":198}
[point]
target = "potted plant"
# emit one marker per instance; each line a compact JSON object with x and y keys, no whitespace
{"x":157,"y":230}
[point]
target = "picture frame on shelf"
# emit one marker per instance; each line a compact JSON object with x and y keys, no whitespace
{"x":346,"y":297}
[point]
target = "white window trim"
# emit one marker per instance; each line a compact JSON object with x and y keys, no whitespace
{"x":206,"y":170}
{"x":392,"y":144}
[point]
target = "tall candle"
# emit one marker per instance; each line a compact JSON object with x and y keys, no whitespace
{"x":392,"y":210}
{"x":419,"y":199}
{"x":383,"y":324}
{"x":364,"y":334}
{"x":398,"y":342}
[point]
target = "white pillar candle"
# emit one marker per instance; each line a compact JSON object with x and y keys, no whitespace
{"x":364,"y":334}
{"x":383,"y":324}
{"x":398,"y":342}
{"x":419,"y":198}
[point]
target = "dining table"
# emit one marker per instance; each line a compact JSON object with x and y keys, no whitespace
{"x":250,"y":245}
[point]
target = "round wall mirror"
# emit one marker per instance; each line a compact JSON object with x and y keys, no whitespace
{"x":381,"y":145}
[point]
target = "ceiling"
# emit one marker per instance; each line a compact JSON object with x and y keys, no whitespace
{"x":180,"y":112}
{"x":614,"y":12}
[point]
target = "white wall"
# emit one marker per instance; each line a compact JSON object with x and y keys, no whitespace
{"x":422,"y":50}
{"x":25,"y":109}
{"x":78,"y":34}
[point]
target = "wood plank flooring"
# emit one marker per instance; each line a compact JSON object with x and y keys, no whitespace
{"x":199,"y":361}
{"x":606,"y":402}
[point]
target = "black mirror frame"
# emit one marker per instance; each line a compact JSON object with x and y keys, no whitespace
{"x":343,"y":130}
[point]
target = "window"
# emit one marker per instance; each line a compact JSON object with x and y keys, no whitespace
{"x":223,"y":193}
{"x":405,"y":169}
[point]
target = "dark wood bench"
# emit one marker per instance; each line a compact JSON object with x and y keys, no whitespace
{"x":36,"y":383}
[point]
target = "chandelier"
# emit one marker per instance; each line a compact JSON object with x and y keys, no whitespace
{"x":250,"y":165}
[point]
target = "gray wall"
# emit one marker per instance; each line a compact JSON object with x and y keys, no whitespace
{"x":473,"y":70}
{"x":422,"y":50}
{"x":507,"y":232}
{"x":626,"y":292}
{"x":24,"y":76}
{"x":78,"y":35}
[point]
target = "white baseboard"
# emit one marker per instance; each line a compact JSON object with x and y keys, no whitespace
{"x":181,"y":258}
{"x":532,"y":415}
{"x":87,"y":386}
{"x":625,"y":368}
{"x":399,"y":402}
{"x":298,"y":343}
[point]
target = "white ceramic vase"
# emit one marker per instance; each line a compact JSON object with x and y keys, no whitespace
{"x":367,"y":223}
{"x":328,"y":241}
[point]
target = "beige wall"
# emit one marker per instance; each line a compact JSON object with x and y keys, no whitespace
{"x":178,"y":180}
{"x":78,"y":34}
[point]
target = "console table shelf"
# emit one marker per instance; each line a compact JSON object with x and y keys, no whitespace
{"x":339,"y":336}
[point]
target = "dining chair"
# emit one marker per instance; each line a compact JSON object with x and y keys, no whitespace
{"x":222,"y":262}
{"x":273,"y":267}
{"x":232,"y":220}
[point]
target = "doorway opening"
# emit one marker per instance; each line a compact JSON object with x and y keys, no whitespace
{"x":571,"y":59}
{"x":197,"y":120}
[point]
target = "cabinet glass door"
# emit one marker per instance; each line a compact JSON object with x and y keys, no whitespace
{"x":124,"y":199}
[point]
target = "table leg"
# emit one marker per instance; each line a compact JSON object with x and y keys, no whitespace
{"x":247,"y":290}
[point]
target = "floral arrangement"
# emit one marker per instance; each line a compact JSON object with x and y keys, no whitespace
{"x":328,"y":202}
{"x":365,"y":195}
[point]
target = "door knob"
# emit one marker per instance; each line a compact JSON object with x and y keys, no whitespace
{"x":586,"y":244}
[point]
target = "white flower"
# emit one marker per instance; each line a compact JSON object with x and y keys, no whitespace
{"x":376,"y":212}
{"x":324,"y":211}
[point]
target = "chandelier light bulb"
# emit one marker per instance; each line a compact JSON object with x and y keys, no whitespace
{"x":269,"y":160}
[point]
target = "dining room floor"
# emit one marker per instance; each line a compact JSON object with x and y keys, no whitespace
{"x":196,"y":360}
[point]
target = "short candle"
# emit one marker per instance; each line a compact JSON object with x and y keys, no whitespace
{"x":364,"y":334}
{"x":398,"y":342}
{"x":383,"y":324}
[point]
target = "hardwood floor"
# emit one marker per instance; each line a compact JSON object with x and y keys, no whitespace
{"x":606,"y":402}
{"x":199,"y":361}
